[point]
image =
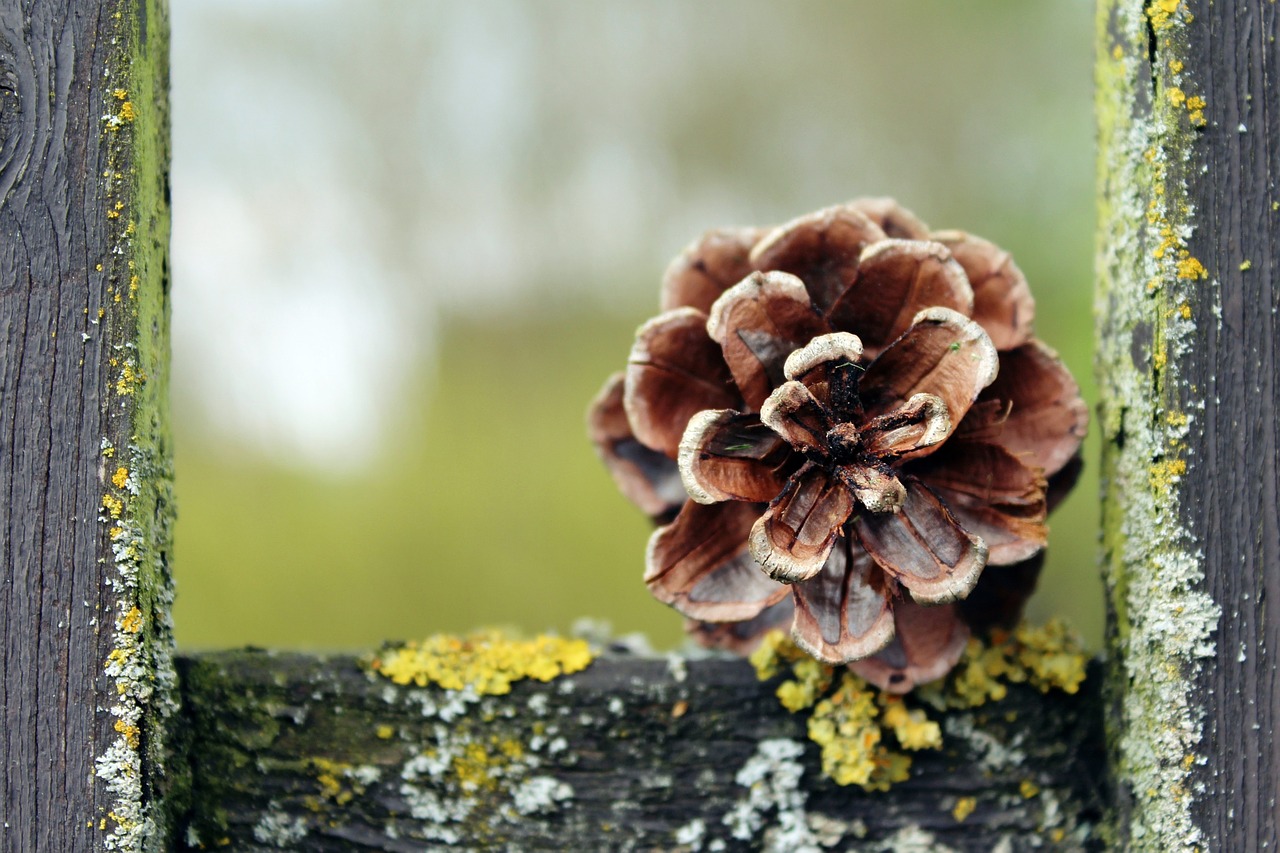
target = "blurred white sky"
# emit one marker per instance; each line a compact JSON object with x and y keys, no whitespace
{"x":346,"y":173}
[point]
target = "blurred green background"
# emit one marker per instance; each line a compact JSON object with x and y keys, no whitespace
{"x":412,"y":239}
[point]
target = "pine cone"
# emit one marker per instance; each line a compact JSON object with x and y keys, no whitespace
{"x":838,"y":424}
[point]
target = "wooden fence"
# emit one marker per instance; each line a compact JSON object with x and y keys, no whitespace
{"x":111,"y":744}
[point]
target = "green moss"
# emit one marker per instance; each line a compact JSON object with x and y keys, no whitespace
{"x":1149,"y":112}
{"x":129,"y":309}
{"x":467,"y":768}
{"x":232,"y":726}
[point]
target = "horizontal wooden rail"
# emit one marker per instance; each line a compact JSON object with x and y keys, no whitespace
{"x":633,"y":753}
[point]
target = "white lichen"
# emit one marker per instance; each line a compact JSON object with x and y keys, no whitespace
{"x":461,"y":777}
{"x":278,"y":829}
{"x":994,"y":755}
{"x":140,"y":663}
{"x":1154,"y":570}
{"x":692,"y":834}
{"x":772,"y":779}
{"x":677,"y":667}
{"x":914,"y":839}
{"x":364,"y":774}
{"x":540,"y":795}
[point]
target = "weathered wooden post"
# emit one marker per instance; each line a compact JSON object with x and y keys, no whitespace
{"x":1188,"y":344}
{"x":84,"y":445}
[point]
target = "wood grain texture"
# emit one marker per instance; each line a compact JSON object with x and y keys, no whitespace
{"x":1188,"y":331}
{"x":316,"y":754}
{"x":1233,"y":461}
{"x":83,"y":295}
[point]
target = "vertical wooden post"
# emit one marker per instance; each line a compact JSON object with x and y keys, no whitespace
{"x":85,"y":472}
{"x":1189,"y":258}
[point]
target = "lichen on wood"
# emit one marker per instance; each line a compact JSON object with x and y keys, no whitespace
{"x":865,"y":733}
{"x":1161,"y":631}
{"x":305,"y":753}
{"x":138,"y":502}
{"x":84,"y":329}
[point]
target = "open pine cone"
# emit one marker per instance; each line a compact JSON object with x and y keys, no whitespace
{"x":839,"y":423}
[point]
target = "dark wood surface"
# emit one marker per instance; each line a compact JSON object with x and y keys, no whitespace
{"x":1234,"y":459}
{"x":317,"y":754}
{"x":63,"y":259}
{"x":1187,"y":353}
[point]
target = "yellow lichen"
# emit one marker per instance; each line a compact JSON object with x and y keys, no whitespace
{"x":1175,"y":65}
{"x":1028,"y":789}
{"x":1246,"y":265}
{"x":1184,"y":311}
{"x":487,"y":661}
{"x":1195,"y":110}
{"x":1051,"y":655}
{"x":1168,"y":240}
{"x":913,"y":729}
{"x":1176,"y":96}
{"x":132,"y":734}
{"x":1161,"y":13}
{"x":774,"y":650}
{"x":1048,"y":657}
{"x":120,"y":477}
{"x":330,"y":774}
{"x":112,"y":505}
{"x":127,"y":112}
{"x":385,"y":732}
{"x":480,"y":765}
{"x":862,"y":731}
{"x":1190,"y":268}
{"x":812,"y":680}
{"x":131,"y":379}
{"x":963,"y":808}
{"x":1165,"y":474}
{"x":853,"y":753}
{"x":131,"y":622}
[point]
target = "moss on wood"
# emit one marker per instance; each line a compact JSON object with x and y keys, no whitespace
{"x":130,"y":309}
{"x":305,"y":753}
{"x":1150,"y":111}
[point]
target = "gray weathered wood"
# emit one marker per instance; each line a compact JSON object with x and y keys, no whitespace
{"x":316,"y":754}
{"x":1188,"y":265}
{"x":85,"y":504}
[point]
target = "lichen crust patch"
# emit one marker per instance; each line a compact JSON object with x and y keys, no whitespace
{"x":126,"y":334}
{"x":865,"y":734}
{"x":1150,"y":113}
{"x":485,"y":662}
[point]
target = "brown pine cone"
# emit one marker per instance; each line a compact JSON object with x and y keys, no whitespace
{"x":839,"y":423}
